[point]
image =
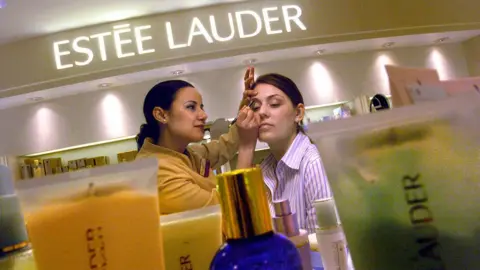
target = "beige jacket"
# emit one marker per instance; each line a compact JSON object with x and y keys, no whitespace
{"x":186,"y":182}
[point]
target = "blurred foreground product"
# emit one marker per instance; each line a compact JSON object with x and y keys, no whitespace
{"x":19,"y":261}
{"x":191,"y":238}
{"x":251,"y":242}
{"x":13,"y":235}
{"x":102,"y":218}
{"x":406,"y":184}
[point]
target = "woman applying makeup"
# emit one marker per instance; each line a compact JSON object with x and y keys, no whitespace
{"x":175,"y":118}
{"x":294,"y":169}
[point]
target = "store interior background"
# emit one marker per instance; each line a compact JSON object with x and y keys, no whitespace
{"x":107,"y":113}
{"x":103,"y":116}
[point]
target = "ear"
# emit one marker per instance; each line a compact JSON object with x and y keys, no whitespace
{"x":160,"y":115}
{"x":299,"y":113}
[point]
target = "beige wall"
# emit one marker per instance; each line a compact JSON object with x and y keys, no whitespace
{"x":472,"y":54}
{"x":28,"y":66}
{"x":109,"y":114}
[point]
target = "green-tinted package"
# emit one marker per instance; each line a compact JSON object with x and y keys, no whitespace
{"x":407,"y":184}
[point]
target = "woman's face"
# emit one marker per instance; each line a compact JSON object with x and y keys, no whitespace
{"x":186,"y":118}
{"x":279,"y":118}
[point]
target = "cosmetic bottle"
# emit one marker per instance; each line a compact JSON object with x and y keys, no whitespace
{"x":251,"y":242}
{"x":105,"y":218}
{"x":330,"y":236}
{"x":37,"y":169}
{"x":286,"y":223}
{"x":191,"y":238}
{"x":13,"y":235}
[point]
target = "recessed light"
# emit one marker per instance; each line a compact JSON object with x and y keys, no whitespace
{"x":177,"y":72}
{"x":250,"y":61}
{"x":441,"y":40}
{"x":3,"y":3}
{"x":36,"y":99}
{"x":388,"y":44}
{"x":320,"y":52}
{"x":104,"y":85}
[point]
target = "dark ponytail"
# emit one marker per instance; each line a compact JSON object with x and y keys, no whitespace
{"x":161,"y":95}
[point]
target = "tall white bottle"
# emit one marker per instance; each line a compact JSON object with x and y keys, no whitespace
{"x":330,"y":236}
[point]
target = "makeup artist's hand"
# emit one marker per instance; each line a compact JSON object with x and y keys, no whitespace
{"x":248,"y":124}
{"x":248,"y":92}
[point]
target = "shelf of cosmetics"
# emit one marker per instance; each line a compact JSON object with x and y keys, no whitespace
{"x":36,"y":167}
{"x":105,"y":201}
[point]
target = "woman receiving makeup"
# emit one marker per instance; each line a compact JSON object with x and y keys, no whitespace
{"x":294,"y":169}
{"x":175,"y":118}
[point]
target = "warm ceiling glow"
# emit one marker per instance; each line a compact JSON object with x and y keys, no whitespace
{"x":323,"y":82}
{"x":113,"y":116}
{"x":438,"y":61}
{"x":45,"y":128}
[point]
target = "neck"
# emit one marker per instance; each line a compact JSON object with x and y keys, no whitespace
{"x":171,"y":143}
{"x":279,"y":148}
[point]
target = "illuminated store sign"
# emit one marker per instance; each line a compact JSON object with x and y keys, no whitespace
{"x":130,"y":41}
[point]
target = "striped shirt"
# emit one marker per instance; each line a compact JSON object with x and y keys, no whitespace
{"x":298,"y":177}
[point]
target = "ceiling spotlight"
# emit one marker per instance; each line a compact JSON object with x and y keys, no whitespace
{"x":442,"y":40}
{"x":388,"y":44}
{"x":320,"y":52}
{"x":35,"y":99}
{"x":177,"y":72}
{"x":3,"y":3}
{"x":104,"y":85}
{"x":250,"y":61}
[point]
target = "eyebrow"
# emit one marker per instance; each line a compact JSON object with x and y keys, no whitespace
{"x":269,"y":97}
{"x":194,"y":102}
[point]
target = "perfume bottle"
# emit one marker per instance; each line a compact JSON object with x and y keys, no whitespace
{"x":286,"y":223}
{"x":251,"y":242}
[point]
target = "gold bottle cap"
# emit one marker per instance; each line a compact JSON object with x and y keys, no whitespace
{"x":244,"y":203}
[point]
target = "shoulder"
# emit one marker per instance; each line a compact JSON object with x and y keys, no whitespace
{"x":312,"y":165}
{"x":166,"y":165}
{"x":193,"y":151}
{"x":311,"y":157}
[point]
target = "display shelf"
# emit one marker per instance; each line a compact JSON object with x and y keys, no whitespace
{"x":56,"y":152}
{"x":318,"y":113}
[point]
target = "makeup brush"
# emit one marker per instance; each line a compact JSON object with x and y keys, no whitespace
{"x":250,"y":105}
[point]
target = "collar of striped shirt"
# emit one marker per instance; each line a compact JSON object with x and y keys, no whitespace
{"x":299,"y":178}
{"x":294,"y":154}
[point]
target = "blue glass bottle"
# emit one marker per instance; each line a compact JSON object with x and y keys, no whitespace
{"x":251,"y":243}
